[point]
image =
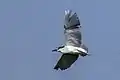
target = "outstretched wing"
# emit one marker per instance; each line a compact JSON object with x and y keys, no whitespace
{"x":72,"y":29}
{"x":71,"y":19}
{"x":73,"y":37}
{"x":66,"y":61}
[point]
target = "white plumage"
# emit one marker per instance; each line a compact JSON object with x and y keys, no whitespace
{"x":71,"y":50}
{"x":73,"y":42}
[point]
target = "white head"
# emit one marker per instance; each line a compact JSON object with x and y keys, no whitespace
{"x":62,"y":50}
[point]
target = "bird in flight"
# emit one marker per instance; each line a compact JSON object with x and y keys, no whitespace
{"x":73,"y":47}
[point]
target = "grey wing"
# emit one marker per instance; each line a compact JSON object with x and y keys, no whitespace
{"x":66,"y":61}
{"x":71,"y":19}
{"x":73,"y":37}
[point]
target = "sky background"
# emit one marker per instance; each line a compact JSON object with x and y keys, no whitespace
{"x":30,"y":29}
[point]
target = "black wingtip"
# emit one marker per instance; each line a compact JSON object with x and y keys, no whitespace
{"x":63,"y":69}
{"x":56,"y":67}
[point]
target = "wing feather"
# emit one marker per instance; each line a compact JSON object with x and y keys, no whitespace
{"x":72,"y":31}
{"x":66,"y":61}
{"x":71,"y":19}
{"x":73,"y":37}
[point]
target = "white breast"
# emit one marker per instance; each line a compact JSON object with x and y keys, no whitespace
{"x":76,"y":49}
{"x":72,"y":49}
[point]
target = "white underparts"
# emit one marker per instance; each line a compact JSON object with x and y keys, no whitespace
{"x":72,"y":49}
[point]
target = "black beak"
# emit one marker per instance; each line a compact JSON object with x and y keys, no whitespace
{"x":54,"y":50}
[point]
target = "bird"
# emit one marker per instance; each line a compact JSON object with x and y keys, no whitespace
{"x":73,"y":46}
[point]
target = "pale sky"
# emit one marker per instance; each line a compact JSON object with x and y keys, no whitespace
{"x":30,"y":29}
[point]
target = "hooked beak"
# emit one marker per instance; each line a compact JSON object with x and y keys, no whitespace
{"x":54,"y":50}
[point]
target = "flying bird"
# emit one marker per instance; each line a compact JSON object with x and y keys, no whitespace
{"x":73,"y":46}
